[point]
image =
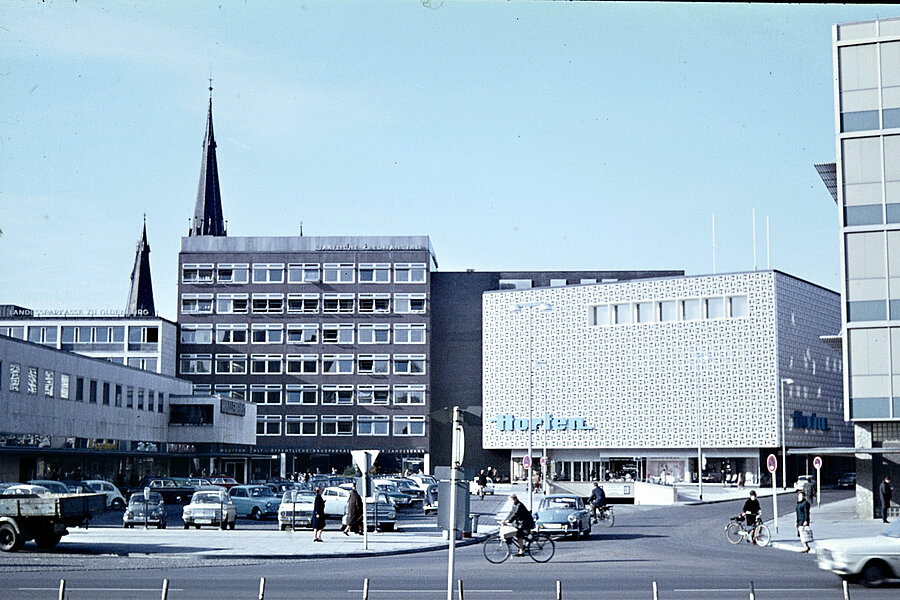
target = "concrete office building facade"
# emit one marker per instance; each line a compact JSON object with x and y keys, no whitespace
{"x":634,"y":377}
{"x":867,"y":124}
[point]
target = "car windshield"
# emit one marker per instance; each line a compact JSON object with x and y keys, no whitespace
{"x":300,"y":497}
{"x":569,"y":502}
{"x":138,"y":499}
{"x":207,"y":498}
{"x":259,"y":492}
{"x":388,"y":487}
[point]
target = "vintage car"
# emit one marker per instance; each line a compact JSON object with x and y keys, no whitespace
{"x":408,"y":486}
{"x":488,"y":486}
{"x":254,"y":501}
{"x":871,"y":559}
{"x":806,"y":484}
{"x":225,"y":482}
{"x":381,"y":515}
{"x":145,"y":511}
{"x":173,"y":491}
{"x":114,"y":498}
{"x":55,"y":487}
{"x":847,"y":480}
{"x":563,"y":514}
{"x":392,"y":493}
{"x":210,"y":507}
{"x":296,"y":509}
{"x":25,"y":489}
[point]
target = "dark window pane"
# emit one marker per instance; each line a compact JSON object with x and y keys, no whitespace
{"x":859,"y":121}
{"x":891,"y":117}
{"x":895,"y":309}
{"x":893,"y":213}
{"x":863,"y":215}
{"x":869,"y":408}
{"x":871,"y":310}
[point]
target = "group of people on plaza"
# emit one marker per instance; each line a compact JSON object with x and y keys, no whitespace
{"x":353,"y":521}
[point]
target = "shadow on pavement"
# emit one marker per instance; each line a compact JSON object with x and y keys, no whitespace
{"x":117,"y":549}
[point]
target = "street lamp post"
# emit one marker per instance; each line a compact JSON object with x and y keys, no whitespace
{"x":789,"y":381}
{"x":517,"y":308}
{"x":704,"y":357}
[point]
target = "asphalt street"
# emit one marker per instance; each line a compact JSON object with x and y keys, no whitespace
{"x":682,"y":548}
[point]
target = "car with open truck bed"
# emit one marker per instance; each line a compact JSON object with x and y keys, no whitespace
{"x":44,"y":519}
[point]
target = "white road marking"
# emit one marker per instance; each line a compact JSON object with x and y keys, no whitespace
{"x":744,"y":590}
{"x":80,"y":589}
{"x":444,"y":591}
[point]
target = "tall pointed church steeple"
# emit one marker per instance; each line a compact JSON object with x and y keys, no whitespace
{"x":140,"y":297}
{"x":208,"y":218}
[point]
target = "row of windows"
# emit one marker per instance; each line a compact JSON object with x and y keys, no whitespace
{"x":267,"y":304}
{"x":869,"y":86}
{"x":311,"y":395}
{"x":303,"y":333}
{"x":302,"y":364}
{"x":240,"y":273}
{"x":662,"y":311}
{"x":68,"y":334}
{"x":335,"y":425}
{"x":60,"y":385}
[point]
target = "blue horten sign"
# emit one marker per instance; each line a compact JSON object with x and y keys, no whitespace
{"x":801,"y":421}
{"x":548,"y":422}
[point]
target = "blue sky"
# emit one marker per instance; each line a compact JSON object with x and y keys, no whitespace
{"x":518,"y":135}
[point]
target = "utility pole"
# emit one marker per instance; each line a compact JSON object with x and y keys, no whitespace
{"x":455,"y":464}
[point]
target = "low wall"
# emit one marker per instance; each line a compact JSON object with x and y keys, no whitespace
{"x":654,"y":494}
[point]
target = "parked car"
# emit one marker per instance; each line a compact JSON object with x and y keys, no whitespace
{"x":210,"y":507}
{"x":869,"y":559}
{"x":408,"y":486}
{"x":423,"y":481}
{"x":254,"y":501}
{"x":141,"y":510}
{"x":296,"y":509}
{"x":392,"y":493}
{"x":488,"y":487}
{"x":77,"y":486}
{"x":563,"y":514}
{"x":55,"y":487}
{"x":225,"y":482}
{"x":381,"y":515}
{"x":25,"y":489}
{"x":806,"y":484}
{"x":114,"y":498}
{"x":173,"y":492}
{"x":847,"y":480}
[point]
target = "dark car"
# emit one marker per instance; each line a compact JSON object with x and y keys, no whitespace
{"x":171,"y":489}
{"x":847,"y":480}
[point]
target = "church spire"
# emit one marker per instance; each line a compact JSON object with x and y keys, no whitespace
{"x":208,"y":218}
{"x":140,"y":297}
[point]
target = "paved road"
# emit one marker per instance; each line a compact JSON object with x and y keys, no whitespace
{"x":682,"y":548}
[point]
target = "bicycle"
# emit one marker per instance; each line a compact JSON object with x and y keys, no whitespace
{"x":539,"y":546}
{"x":603,"y":515}
{"x":758,"y":533}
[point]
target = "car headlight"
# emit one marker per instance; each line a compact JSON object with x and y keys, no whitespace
{"x":187,"y":512}
{"x":573,"y":519}
{"x":129,"y":514}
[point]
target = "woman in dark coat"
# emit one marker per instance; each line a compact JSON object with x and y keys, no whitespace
{"x":354,"y":513}
{"x":318,"y":520}
{"x":802,"y":511}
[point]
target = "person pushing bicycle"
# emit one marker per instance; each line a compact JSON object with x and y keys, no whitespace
{"x":751,"y":511}
{"x":523,"y":521}
{"x":597,"y":500}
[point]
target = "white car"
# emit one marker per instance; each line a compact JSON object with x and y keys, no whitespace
{"x":210,"y":507}
{"x":114,"y":498}
{"x":488,"y":487}
{"x":870,"y":559}
{"x":296,"y":509}
{"x":806,"y":484}
{"x":25,"y":489}
{"x":336,"y":499}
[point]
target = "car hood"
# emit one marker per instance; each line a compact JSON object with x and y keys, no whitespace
{"x":207,"y":505}
{"x":297,"y":505}
{"x":877,"y":544}
{"x":553,"y":515}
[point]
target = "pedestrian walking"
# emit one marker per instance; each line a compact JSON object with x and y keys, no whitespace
{"x":804,"y":531}
{"x":354,"y":514}
{"x":318,"y":518}
{"x":885,"y":492}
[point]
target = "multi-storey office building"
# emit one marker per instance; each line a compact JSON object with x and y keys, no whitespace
{"x":328,"y":336}
{"x":637,"y":376}
{"x":867,"y":126}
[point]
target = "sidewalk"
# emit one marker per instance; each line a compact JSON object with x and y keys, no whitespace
{"x":689,"y":493}
{"x":835,"y":520}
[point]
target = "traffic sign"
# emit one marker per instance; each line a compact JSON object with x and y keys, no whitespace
{"x":526,"y":462}
{"x":543,"y":461}
{"x":817,"y":462}
{"x":772,"y":463}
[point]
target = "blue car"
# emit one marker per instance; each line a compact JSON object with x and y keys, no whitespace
{"x":563,"y":514}
{"x":254,"y":501}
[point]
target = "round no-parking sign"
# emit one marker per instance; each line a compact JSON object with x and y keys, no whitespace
{"x":817,"y":462}
{"x":772,"y":463}
{"x":526,"y":462}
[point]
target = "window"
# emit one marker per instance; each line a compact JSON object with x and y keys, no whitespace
{"x":409,"y":426}
{"x":598,"y":315}
{"x":409,"y":303}
{"x":201,"y":389}
{"x":409,"y":394}
{"x":307,"y":333}
{"x":715,"y":308}
{"x":92,"y":394}
{"x":300,"y":425}
{"x":644,"y":312}
{"x":63,"y":386}
{"x":15,"y":371}
{"x":690,"y":309}
{"x":31,"y":382}
{"x":197,"y":273}
{"x":268,"y":425}
{"x":337,"y":394}
{"x":79,"y":387}
{"x":301,"y":394}
{"x":13,"y":332}
{"x":129,"y":396}
{"x":411,"y":273}
{"x":118,"y":398}
{"x":237,"y":391}
{"x":374,"y":364}
{"x":265,"y":394}
{"x":234,"y":273}
{"x":268,"y":303}
{"x":195,"y":364}
{"x":196,"y":334}
{"x":231,"y":364}
{"x":374,"y":303}
{"x":151,"y":400}
{"x":866,"y":276}
{"x":303,"y":273}
{"x":514,"y":284}
{"x":409,"y":364}
{"x":143,"y":335}
{"x":338,"y":272}
{"x":106,"y":394}
{"x":267,"y":333}
{"x":558,"y":282}
{"x":49,"y":380}
{"x":372,"y":425}
{"x":337,"y":363}
{"x":303,"y":303}
{"x":305,"y":364}
{"x":738,"y":306}
{"x":374,"y":334}
{"x":231,"y":333}
{"x":668,"y":310}
{"x":268,"y":273}
{"x":621,"y":314}
{"x":337,"y":334}
{"x":268,"y":364}
{"x":196,"y":304}
{"x":231,"y":304}
{"x":160,"y":402}
{"x":140,"y":399}
{"x":337,"y":425}
{"x":375,"y":273}
{"x":412,"y":333}
{"x":42,"y":335}
{"x":338,"y":303}
{"x":373,"y":394}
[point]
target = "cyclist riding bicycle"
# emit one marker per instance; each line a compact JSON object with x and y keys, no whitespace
{"x":522,"y":519}
{"x":597,"y":499}
{"x":751,"y":511}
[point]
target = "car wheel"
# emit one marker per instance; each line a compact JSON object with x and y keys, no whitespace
{"x":117,"y":504}
{"x":256,"y":514}
{"x":873,"y":575}
{"x":196,"y":526}
{"x":10,"y":538}
{"x":187,"y":525}
{"x":283,"y":527}
{"x":125,"y":525}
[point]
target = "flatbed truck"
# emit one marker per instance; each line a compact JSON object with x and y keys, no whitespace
{"x":44,"y":519}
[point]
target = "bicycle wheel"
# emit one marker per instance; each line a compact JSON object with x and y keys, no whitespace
{"x":607,"y":518}
{"x":762,"y":536}
{"x":495,"y":549}
{"x":734,"y":532}
{"x":541,"y":547}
